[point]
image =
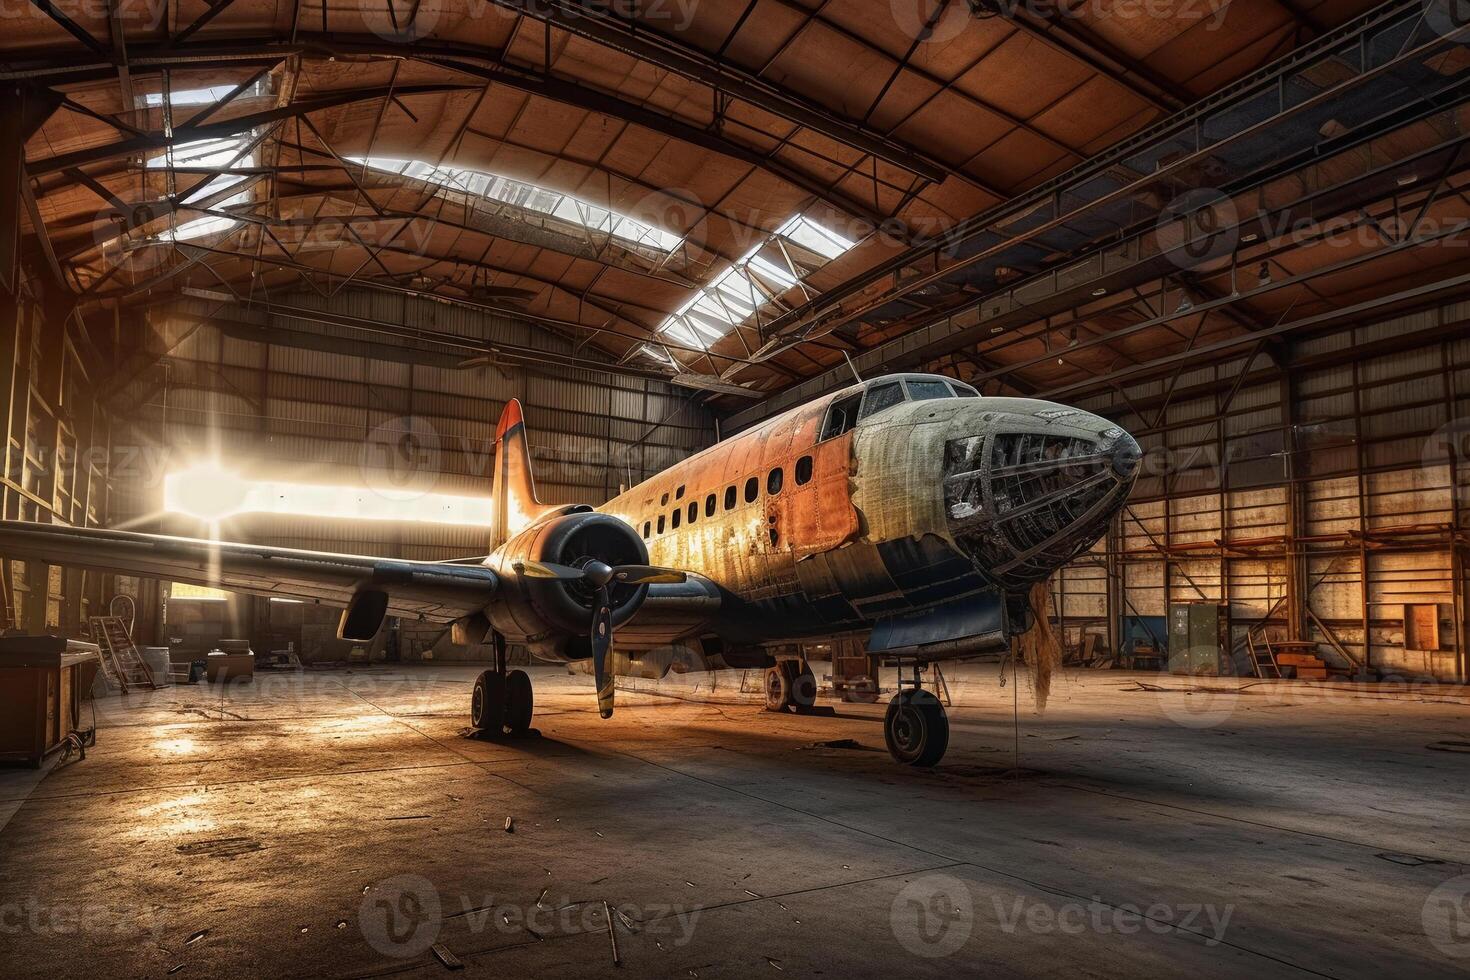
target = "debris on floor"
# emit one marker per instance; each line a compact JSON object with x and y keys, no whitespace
{"x":838,"y":743}
{"x":450,"y":961}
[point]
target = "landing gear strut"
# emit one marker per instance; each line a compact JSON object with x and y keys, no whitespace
{"x":502,"y":700}
{"x":915,"y":725}
{"x":791,"y":684}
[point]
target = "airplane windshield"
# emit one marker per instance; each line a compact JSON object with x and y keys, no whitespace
{"x":882,"y":396}
{"x":924,"y":390}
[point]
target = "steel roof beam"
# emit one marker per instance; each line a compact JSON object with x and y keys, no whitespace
{"x":229,"y":127}
{"x":476,"y":62}
{"x":1049,"y":195}
{"x":70,"y":26}
{"x":594,"y":23}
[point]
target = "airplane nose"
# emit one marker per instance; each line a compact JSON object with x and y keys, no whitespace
{"x":1126,"y":456}
{"x":1035,"y":492}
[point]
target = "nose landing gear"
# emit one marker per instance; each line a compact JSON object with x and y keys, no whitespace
{"x":915,"y":726}
{"x":502,"y":700}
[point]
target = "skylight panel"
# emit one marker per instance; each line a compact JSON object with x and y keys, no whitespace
{"x":771,"y":272}
{"x":208,"y":95}
{"x":530,"y":197}
{"x":225,"y":152}
{"x":807,"y":233}
{"x":189,"y":96}
{"x":752,"y":283}
{"x":657,"y":354}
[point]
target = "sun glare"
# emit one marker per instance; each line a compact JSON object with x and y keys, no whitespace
{"x":212,"y":493}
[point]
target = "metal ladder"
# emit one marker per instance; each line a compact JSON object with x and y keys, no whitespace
{"x":122,"y":665}
{"x":1263,"y":658}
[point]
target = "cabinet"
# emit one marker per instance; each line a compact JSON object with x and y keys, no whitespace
{"x":42,"y":682}
{"x":1199,"y":635}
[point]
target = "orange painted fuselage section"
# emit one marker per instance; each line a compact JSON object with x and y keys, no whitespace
{"x":744,"y":511}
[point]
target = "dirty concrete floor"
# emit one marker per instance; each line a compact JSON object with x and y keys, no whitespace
{"x":342,"y":824}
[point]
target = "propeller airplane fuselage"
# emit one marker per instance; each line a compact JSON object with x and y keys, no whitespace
{"x":907,"y":512}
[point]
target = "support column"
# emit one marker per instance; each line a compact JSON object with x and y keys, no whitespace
{"x":1297,"y":590}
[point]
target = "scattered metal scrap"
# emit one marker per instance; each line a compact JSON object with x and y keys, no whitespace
{"x":450,"y":961}
{"x":840,"y":743}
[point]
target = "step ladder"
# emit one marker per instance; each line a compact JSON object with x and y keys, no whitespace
{"x":1263,"y":657}
{"x":122,"y":665}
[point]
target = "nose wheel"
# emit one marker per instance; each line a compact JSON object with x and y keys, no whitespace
{"x":916,"y":726}
{"x":502,"y":700}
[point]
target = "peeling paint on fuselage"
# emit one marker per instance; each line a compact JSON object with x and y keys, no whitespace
{"x":807,"y":536}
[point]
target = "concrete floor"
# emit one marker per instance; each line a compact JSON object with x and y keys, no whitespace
{"x":339,"y":823}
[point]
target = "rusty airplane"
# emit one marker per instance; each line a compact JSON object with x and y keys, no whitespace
{"x":907,"y":511}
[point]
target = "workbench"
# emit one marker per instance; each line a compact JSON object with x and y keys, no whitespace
{"x":42,"y":682}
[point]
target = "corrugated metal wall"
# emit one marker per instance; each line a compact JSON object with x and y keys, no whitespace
{"x":319,"y":403}
{"x":1316,"y":488}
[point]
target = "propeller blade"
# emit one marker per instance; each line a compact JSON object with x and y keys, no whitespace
{"x":546,"y":569}
{"x":601,"y":646}
{"x":647,"y":574}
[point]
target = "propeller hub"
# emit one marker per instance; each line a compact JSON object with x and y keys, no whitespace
{"x":598,"y":573}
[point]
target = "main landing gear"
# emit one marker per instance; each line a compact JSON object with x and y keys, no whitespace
{"x":791,"y":684}
{"x":915,"y":726}
{"x":502,"y":700}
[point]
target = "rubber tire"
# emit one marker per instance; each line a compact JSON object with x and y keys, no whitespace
{"x":520,"y":703}
{"x":487,"y":703}
{"x":916,"y":728}
{"x":778,"y":689}
{"x":802,"y":684}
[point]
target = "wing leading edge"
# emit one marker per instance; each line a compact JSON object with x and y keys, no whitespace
{"x":439,"y":591}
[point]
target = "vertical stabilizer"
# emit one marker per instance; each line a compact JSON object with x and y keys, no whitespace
{"x":514,"y":490}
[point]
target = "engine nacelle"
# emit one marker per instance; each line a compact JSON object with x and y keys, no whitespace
{"x":552,"y":617}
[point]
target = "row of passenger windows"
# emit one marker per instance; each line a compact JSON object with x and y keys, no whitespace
{"x":751,"y":492}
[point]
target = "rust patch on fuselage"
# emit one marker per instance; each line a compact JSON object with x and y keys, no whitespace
{"x":739,"y":533}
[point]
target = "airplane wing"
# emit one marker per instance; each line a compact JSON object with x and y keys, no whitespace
{"x":439,"y":591}
{"x":672,"y":611}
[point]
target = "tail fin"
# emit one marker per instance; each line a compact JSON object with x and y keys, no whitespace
{"x":514,"y":490}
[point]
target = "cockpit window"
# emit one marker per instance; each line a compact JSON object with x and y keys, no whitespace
{"x":882,"y":396}
{"x":964,"y":390}
{"x":842,"y":416}
{"x":921,"y":391}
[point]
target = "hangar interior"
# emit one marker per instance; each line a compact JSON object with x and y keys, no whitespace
{"x":272,"y":273}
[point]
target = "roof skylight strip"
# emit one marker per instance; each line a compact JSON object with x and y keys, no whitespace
{"x":753,"y":282}
{"x":530,"y":197}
